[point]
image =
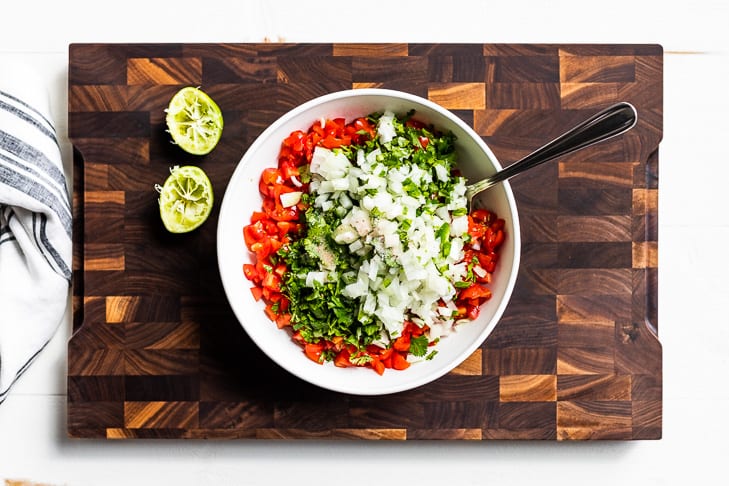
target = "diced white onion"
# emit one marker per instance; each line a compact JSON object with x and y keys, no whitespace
{"x":289,"y":199}
{"x":345,"y":201}
{"x":327,"y":205}
{"x":441,"y":172}
{"x":385,"y":128}
{"x":319,"y":277}
{"x":341,"y":184}
{"x":345,"y":234}
{"x":459,"y":225}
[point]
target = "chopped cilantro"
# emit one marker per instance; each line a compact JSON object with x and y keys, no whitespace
{"x":419,"y":345}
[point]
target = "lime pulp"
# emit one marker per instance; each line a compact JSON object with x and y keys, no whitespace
{"x":186,"y":199}
{"x":194,"y":121}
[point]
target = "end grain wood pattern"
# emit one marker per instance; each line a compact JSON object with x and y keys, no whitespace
{"x":157,"y":352}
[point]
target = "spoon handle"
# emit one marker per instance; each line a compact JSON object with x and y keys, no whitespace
{"x":608,"y":123}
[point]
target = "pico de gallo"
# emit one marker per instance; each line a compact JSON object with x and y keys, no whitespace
{"x":363,"y":247}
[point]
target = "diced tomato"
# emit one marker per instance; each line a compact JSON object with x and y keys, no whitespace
{"x":481,"y":215}
{"x":276,"y":244}
{"x":283,"y":320}
{"x":257,"y":293}
{"x":286,"y":227}
{"x":498,"y":239}
{"x":257,"y":216}
{"x":475,"y":291}
{"x":414,"y":123}
{"x":386,"y":353}
{"x":342,"y":359}
{"x":281,"y":213}
{"x":472,"y":311}
{"x":270,"y":312}
{"x":399,"y":362}
{"x":313,"y":351}
{"x":251,"y":272}
{"x":272,"y":282}
{"x":261,"y":248}
{"x":270,"y":177}
{"x":269,"y":226}
{"x":280,"y":270}
{"x":360,"y":130}
{"x":484,"y":259}
{"x":331,"y":141}
{"x":268,"y":205}
{"x":295,"y":140}
{"x":289,"y":170}
{"x":402,"y":343}
{"x":279,"y":189}
{"x":253,"y":233}
{"x":413,"y":329}
{"x":475,"y":229}
{"x":485,"y":279}
{"x":378,"y":365}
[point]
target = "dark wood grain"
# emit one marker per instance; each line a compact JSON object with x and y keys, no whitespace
{"x":157,"y":352}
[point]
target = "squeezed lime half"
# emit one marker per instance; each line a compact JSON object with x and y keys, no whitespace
{"x":194,"y":121}
{"x":186,"y":199}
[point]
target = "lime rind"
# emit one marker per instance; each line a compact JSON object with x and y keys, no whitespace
{"x":194,"y":121}
{"x":186,"y":199}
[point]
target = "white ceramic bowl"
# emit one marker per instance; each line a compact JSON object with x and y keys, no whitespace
{"x":242,"y":197}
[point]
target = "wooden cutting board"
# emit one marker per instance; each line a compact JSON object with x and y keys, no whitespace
{"x":157,"y":352}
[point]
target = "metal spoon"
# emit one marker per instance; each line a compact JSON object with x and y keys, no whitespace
{"x":608,"y":123}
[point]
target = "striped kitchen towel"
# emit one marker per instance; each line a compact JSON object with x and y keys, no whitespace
{"x":35,"y":224}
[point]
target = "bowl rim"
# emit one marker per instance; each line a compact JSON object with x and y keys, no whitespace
{"x":511,"y":202}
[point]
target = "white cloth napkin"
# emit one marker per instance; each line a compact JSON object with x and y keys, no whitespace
{"x":35,"y":224}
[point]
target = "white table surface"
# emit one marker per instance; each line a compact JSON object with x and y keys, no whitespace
{"x":693,"y":236}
